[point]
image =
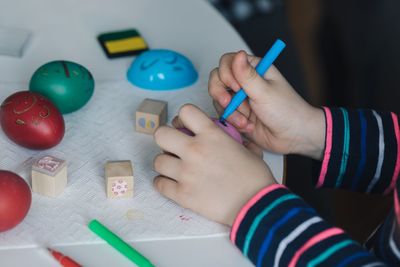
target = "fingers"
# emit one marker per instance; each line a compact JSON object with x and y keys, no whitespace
{"x":272,"y":73}
{"x":258,"y":151}
{"x":177,"y":123}
{"x":253,"y":84}
{"x":219,"y":92}
{"x":237,"y":118}
{"x":167,"y":187}
{"x":222,"y":79}
{"x":171,"y":140}
{"x":218,"y":107}
{"x":217,"y":89}
{"x":225,"y":72}
{"x":167,"y":165}
{"x":225,"y":69}
{"x":235,"y":70}
{"x":194,"y":119}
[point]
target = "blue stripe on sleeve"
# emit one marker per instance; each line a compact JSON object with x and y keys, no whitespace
{"x":265,"y":245}
{"x":361,"y":164}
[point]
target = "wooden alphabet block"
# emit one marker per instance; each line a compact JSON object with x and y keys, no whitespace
{"x":150,"y":115}
{"x":49,"y":176}
{"x":119,"y":179}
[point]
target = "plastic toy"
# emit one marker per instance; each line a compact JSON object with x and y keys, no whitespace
{"x":67,"y":84}
{"x":228,"y":128}
{"x":162,"y":70}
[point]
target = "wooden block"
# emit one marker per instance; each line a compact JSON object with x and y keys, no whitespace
{"x":150,"y":115}
{"x":49,"y":176}
{"x":119,"y":179}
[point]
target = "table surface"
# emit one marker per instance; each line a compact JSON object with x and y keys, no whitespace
{"x":67,"y":30}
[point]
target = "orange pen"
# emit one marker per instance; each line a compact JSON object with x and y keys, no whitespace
{"x":63,"y":260}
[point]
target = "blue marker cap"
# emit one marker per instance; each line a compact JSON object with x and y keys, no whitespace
{"x":262,"y":67}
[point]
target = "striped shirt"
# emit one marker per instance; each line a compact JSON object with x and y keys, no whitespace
{"x":362,"y":153}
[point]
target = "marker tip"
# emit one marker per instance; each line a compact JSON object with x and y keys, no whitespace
{"x":222,"y":121}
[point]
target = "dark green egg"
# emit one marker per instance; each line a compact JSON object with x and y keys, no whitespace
{"x":67,"y":84}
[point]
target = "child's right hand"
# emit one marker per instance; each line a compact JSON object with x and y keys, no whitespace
{"x":275,"y":117}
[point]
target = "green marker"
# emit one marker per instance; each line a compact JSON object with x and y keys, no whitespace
{"x":120,"y":245}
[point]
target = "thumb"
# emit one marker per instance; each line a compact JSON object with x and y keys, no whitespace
{"x":246,"y":75}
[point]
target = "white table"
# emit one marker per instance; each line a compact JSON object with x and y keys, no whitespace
{"x":67,"y":30}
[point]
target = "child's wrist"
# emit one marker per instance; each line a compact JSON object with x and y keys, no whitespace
{"x":242,"y":212}
{"x":233,"y":215}
{"x":312,"y":138}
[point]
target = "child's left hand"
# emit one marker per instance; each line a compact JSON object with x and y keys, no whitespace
{"x":212,"y":174}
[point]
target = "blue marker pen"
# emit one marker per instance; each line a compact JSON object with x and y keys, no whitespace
{"x":262,"y":67}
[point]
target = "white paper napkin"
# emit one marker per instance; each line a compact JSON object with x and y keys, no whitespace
{"x":103,"y":130}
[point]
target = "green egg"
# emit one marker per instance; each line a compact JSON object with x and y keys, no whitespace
{"x":67,"y":84}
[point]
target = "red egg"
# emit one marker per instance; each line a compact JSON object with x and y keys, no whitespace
{"x":31,"y":120}
{"x":15,"y":200}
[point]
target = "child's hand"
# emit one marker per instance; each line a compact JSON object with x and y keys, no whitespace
{"x":274,"y":116}
{"x":212,"y":174}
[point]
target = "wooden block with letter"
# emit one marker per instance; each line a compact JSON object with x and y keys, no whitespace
{"x":150,"y":115}
{"x":49,"y":176}
{"x":119,"y":179}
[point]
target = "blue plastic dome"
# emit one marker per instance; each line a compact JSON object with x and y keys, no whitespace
{"x":162,"y":69}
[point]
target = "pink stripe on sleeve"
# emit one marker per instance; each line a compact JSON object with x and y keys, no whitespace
{"x":311,"y":242}
{"x":397,"y":168}
{"x":397,"y":206}
{"x":242,"y":213}
{"x":328,"y":147}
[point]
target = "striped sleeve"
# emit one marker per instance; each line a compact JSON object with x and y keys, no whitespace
{"x":277,"y":228}
{"x":387,"y":243}
{"x":362,"y":151}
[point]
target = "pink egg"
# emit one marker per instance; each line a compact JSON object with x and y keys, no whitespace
{"x":227,"y":128}
{"x":230,"y":130}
